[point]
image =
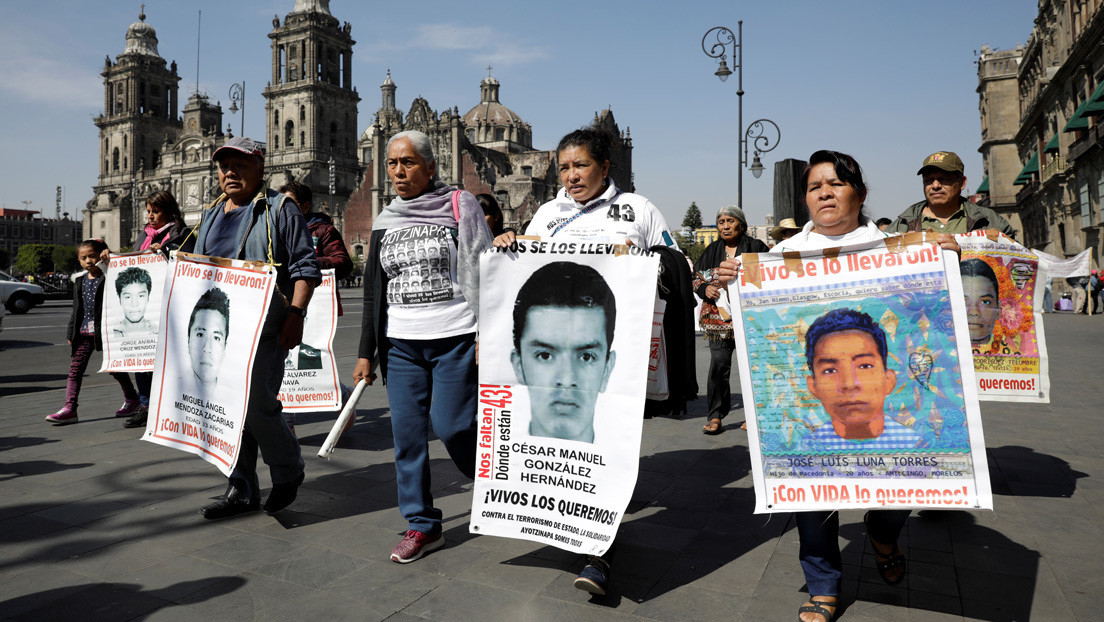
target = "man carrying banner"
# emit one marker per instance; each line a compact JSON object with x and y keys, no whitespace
{"x":944,"y":209}
{"x":252,"y":222}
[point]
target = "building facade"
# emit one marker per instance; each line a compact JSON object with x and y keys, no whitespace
{"x":145,"y":147}
{"x":489,"y":149}
{"x":311,"y":136}
{"x":1058,"y":137}
{"x":19,"y":227}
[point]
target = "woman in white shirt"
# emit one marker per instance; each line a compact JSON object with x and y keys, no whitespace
{"x":834,"y":194}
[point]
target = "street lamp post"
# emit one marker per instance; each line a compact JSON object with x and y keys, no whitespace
{"x":237,"y":94}
{"x":720,"y":39}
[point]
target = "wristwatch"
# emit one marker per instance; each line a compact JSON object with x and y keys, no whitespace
{"x":297,"y":311}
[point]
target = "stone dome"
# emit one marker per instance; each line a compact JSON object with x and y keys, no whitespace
{"x":489,"y":111}
{"x":141,"y":38}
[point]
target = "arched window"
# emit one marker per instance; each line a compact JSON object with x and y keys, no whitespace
{"x":115,"y":159}
{"x":500,"y":133}
{"x":333,"y":135}
{"x":124,"y":141}
{"x":302,"y":113}
{"x":275,"y":142}
{"x":282,"y":65}
{"x":124,"y":163}
{"x":276,"y":117}
{"x":302,"y":139}
{"x":358,"y":250}
{"x":289,"y":133}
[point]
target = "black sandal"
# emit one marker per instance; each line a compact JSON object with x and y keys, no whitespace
{"x":888,"y":563}
{"x":816,"y":608}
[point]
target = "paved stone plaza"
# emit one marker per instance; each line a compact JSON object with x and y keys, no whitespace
{"x":97,"y":525}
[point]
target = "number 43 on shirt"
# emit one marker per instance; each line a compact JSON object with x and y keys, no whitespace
{"x":621,"y":212}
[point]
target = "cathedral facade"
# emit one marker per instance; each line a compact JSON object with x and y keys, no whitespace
{"x":489,"y":149}
{"x":310,"y":129}
{"x":311,"y":136}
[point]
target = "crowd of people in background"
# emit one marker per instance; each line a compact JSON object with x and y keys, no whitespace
{"x":426,"y":352}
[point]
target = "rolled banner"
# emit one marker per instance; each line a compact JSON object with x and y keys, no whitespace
{"x":347,"y":412}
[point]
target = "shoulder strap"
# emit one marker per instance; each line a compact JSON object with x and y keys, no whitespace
{"x":456,"y":205}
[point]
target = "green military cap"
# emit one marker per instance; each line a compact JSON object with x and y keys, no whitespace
{"x":945,"y":160}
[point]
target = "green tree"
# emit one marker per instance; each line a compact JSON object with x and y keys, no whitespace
{"x":34,"y":259}
{"x":693,"y":218}
{"x":65,"y":258}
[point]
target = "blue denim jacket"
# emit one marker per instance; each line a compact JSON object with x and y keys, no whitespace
{"x":285,"y":235}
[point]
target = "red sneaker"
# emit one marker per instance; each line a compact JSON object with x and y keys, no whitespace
{"x":415,"y":545}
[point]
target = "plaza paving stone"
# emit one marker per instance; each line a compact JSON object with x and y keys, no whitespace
{"x":98,"y":525}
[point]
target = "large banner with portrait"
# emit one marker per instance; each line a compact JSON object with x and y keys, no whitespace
{"x":862,"y":392}
{"x":131,"y":310}
{"x":211,"y":320}
{"x":1003,"y":284}
{"x":563,"y":367}
{"x":310,"y":371}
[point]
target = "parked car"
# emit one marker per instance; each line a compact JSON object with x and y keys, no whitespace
{"x":17,"y":296}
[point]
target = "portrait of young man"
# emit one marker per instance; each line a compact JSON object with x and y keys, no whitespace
{"x":133,"y":287}
{"x":847,"y":356}
{"x":208,"y":329}
{"x":564,"y":318}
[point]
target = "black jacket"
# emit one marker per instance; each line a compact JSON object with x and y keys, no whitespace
{"x":78,"y":314}
{"x":714,"y":254}
{"x":374,"y":343}
{"x":678,"y":331}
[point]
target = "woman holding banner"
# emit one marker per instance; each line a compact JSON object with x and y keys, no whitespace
{"x":420,"y":332}
{"x":834,"y":194}
{"x":590,"y":207}
{"x":165,"y":229}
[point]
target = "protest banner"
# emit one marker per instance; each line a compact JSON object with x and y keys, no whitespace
{"x":563,"y":366}
{"x":1058,"y":268}
{"x":859,"y":396}
{"x":310,"y":371}
{"x":1004,"y":284}
{"x":212,"y":316}
{"x":131,"y":310}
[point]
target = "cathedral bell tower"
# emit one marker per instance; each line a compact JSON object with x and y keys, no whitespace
{"x":140,"y":114}
{"x":311,"y":107}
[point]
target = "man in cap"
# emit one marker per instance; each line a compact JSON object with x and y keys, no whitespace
{"x":945,"y":209}
{"x":253,"y":222}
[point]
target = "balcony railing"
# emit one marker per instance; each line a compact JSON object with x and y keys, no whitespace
{"x":1056,"y":165}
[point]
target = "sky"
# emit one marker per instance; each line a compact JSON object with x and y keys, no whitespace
{"x":888,"y":82}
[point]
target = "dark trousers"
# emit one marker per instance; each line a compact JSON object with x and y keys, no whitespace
{"x":265,"y":428}
{"x":83,"y":348}
{"x":820,"y":553}
{"x":430,"y":381}
{"x":718,"y":388}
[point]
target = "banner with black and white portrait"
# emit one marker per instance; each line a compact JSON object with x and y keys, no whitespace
{"x":212,"y":314}
{"x":564,"y":351}
{"x":132,"y":310}
{"x":310,"y":371}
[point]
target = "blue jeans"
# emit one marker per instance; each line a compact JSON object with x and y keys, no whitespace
{"x":431,"y":380}
{"x":820,"y":553}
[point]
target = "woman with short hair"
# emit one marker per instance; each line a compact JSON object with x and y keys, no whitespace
{"x":835,"y":193}
{"x":419,"y":335}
